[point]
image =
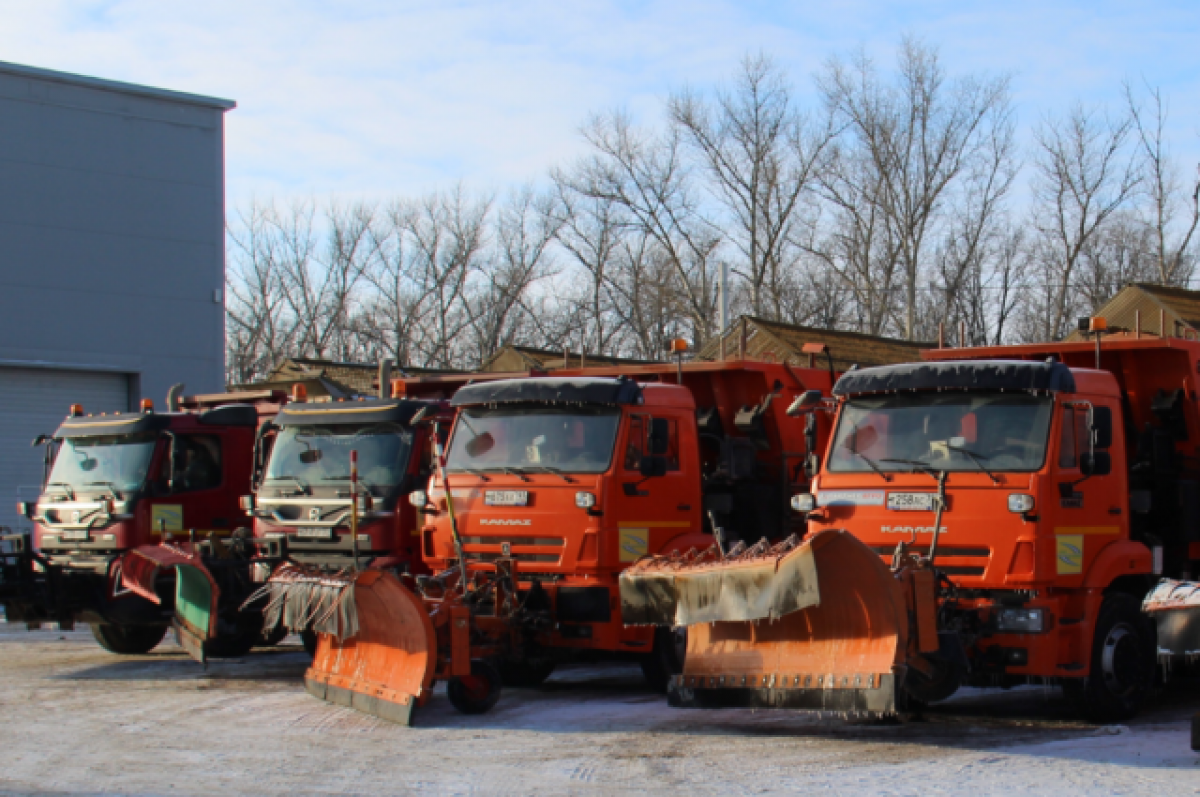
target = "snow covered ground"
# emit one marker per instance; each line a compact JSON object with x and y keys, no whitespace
{"x":75,"y":719}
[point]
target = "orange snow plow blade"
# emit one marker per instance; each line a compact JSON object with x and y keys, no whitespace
{"x":376,"y":648}
{"x":388,"y":666}
{"x":820,"y":624}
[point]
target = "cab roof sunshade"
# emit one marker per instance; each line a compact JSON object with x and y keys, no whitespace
{"x":960,"y":375}
{"x":102,"y":425}
{"x":563,"y":390}
{"x":338,"y":412}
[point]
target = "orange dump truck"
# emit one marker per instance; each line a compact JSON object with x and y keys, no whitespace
{"x":549,"y":488}
{"x":992,"y":516}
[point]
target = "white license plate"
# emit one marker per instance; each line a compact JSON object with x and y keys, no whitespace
{"x":315,"y":533}
{"x":506,"y":497}
{"x":79,"y":535}
{"x":921,"y":502}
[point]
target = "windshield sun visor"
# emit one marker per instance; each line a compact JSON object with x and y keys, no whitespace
{"x":333,"y":413}
{"x":964,"y":375}
{"x":108,"y":425}
{"x":553,"y":390}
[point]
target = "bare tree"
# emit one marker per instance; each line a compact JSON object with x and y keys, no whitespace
{"x":910,"y":145}
{"x":1174,"y":206}
{"x":257,"y":327}
{"x":648,"y":177}
{"x":761,"y":157}
{"x":1083,"y":175}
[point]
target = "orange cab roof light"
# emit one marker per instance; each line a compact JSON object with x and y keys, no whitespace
{"x":147,"y":405}
{"x":1098,"y":324}
{"x":677,"y":346}
{"x":76,"y":410}
{"x":299,"y":393}
{"x":397,"y":389}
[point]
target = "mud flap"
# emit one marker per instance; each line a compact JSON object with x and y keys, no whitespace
{"x":388,"y":664}
{"x":1175,"y":608}
{"x":843,"y":650}
{"x":196,"y":592}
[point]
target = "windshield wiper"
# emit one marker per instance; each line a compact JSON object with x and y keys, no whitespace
{"x":917,"y":465}
{"x":556,"y":471}
{"x":875,"y":467}
{"x":472,"y":471}
{"x":977,"y":459}
{"x":66,"y":488}
{"x":515,"y":472}
{"x":303,"y":487}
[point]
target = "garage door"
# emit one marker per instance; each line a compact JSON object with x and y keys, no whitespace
{"x":34,"y":401}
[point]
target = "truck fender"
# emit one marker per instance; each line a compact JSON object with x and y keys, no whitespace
{"x":682,"y":542}
{"x":1120,"y":558}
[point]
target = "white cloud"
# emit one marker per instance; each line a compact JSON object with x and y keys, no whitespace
{"x":371,"y":98}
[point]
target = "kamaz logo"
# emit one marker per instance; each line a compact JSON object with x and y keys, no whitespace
{"x":910,"y":530}
{"x":496,"y":521}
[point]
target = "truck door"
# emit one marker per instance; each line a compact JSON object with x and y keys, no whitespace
{"x":648,"y":512}
{"x":190,"y":488}
{"x":1091,"y":511}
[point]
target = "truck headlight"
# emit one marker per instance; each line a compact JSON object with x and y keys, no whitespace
{"x":418,"y":498}
{"x":804,"y":502}
{"x":1021,"y":621}
{"x":585,"y":500}
{"x":1020,"y":503}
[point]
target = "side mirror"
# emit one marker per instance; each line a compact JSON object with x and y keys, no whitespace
{"x":1095,"y":464}
{"x":805,"y":402}
{"x":1102,"y":426}
{"x":653,"y":466}
{"x":658,"y":442}
{"x":40,"y":440}
{"x":481,"y":444}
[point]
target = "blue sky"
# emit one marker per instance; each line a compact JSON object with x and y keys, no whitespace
{"x":378,"y":98}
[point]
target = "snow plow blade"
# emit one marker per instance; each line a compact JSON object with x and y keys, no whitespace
{"x":1175,"y":607}
{"x":376,"y":648}
{"x":820,"y":625}
{"x":196,"y":591}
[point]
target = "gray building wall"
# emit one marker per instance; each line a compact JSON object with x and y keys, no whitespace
{"x":112,"y":216}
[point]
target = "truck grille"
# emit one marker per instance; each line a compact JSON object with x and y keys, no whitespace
{"x":951,"y":559}
{"x":530,"y":550}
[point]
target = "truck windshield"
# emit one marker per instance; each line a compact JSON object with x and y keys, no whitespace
{"x":945,"y":431}
{"x":103,"y":464}
{"x":568,"y":440}
{"x":319,"y":456}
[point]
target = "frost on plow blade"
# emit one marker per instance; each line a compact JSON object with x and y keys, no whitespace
{"x":376,"y":647}
{"x":820,"y":624}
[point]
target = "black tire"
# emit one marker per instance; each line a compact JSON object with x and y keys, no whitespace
{"x":232,"y":646}
{"x":128,"y":640}
{"x":309,"y":638}
{"x":946,"y":679}
{"x":1124,"y":658}
{"x":666,"y":658}
{"x":478,"y":692}
{"x":524,"y":673}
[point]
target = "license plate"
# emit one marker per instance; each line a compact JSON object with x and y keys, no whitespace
{"x":921,"y":502}
{"x":506,"y":498}
{"x":79,"y":535}
{"x":315,"y":532}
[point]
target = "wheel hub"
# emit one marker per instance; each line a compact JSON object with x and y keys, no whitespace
{"x":1119,"y":662}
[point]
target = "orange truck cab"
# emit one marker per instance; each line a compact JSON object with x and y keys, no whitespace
{"x":301,"y":504}
{"x":1066,"y":492}
{"x":573,"y":478}
{"x":116,"y":482}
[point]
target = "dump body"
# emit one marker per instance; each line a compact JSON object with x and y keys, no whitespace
{"x":127,"y":480}
{"x":301,"y":506}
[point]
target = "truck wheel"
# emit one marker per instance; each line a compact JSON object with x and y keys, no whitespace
{"x":128,"y":639}
{"x":477,"y":692}
{"x":1123,"y":661}
{"x":666,"y":659}
{"x":233,"y":646}
{"x":524,"y":673}
{"x":946,"y":679}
